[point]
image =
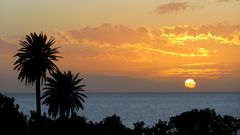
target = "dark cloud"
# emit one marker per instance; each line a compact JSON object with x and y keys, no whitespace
{"x":173,"y":7}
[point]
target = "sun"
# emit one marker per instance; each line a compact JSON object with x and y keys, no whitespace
{"x":190,"y":83}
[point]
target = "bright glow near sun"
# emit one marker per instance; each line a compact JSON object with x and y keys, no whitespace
{"x":190,"y":83}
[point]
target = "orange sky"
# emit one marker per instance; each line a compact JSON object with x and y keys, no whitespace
{"x":137,"y":45}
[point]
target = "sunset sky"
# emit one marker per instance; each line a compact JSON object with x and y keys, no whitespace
{"x":130,"y":45}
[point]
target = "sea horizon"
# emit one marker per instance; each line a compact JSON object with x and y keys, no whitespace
{"x":143,"y":106}
{"x":120,"y":92}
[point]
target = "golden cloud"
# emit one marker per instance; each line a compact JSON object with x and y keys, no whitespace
{"x":149,"y":43}
{"x":171,"y":50}
{"x":183,"y":38}
{"x":221,"y":33}
{"x":174,"y":35}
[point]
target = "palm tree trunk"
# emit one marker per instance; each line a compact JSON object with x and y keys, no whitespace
{"x":38,"y":95}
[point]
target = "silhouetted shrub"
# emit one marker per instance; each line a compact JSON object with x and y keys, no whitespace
{"x":72,"y":125}
{"x":45,"y":125}
{"x":203,"y":122}
{"x":112,"y":126}
{"x":226,"y":125}
{"x":40,"y":124}
{"x":11,"y":120}
{"x":139,"y":128}
{"x":161,"y":128}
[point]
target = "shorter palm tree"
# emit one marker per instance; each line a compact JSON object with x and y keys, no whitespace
{"x":63,"y":94}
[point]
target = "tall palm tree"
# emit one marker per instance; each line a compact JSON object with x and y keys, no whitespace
{"x":35,"y":58}
{"x":63,"y":94}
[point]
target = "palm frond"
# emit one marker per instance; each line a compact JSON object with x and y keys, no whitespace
{"x":35,"y":58}
{"x":62,"y":94}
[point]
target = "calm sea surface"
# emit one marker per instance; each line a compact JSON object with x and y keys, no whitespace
{"x":147,"y":107}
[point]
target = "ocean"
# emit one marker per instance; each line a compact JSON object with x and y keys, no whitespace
{"x":147,"y":107}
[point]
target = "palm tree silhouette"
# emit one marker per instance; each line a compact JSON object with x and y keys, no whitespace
{"x":63,"y":94}
{"x":35,"y":58}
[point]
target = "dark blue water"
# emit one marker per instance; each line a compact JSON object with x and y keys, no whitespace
{"x":147,"y":107}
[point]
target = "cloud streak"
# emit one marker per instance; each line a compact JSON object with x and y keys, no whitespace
{"x":200,"y":52}
{"x":197,"y":72}
{"x":198,"y":64}
{"x":173,"y":7}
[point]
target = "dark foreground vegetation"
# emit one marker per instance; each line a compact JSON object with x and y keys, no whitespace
{"x":194,"y":122}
